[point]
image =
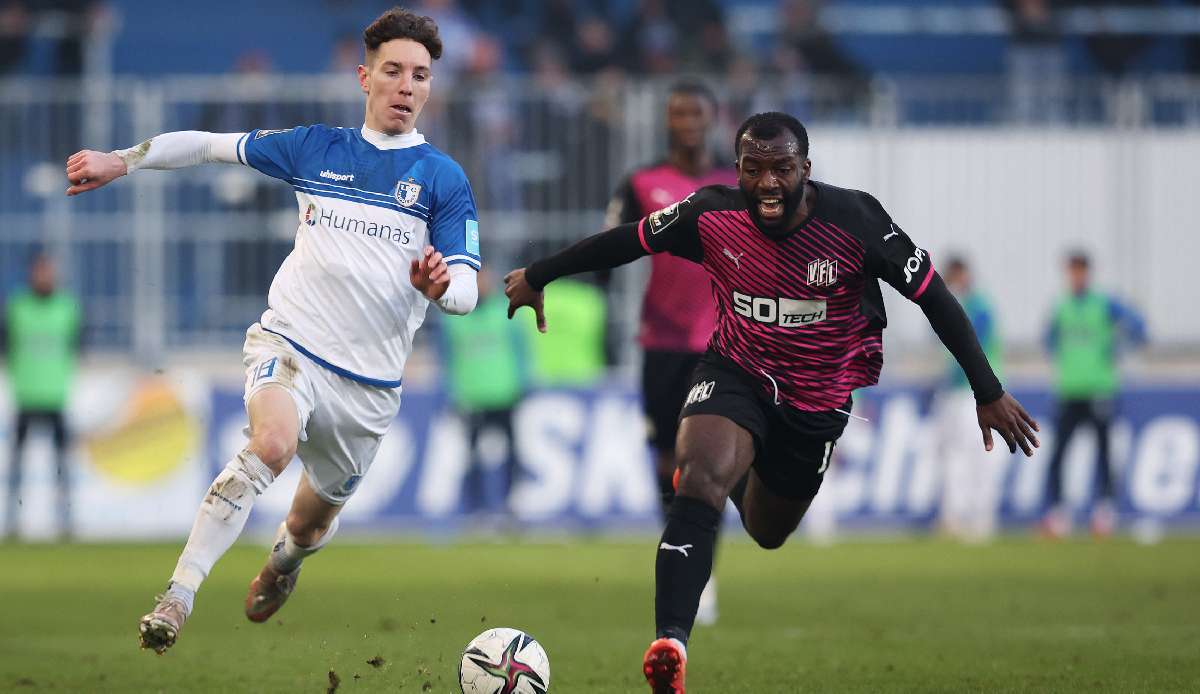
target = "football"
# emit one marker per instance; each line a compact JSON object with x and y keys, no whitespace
{"x":504,"y":661}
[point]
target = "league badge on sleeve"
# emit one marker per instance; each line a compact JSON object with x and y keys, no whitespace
{"x":407,"y":192}
{"x":665,"y":217}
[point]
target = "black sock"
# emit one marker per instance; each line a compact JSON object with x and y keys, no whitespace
{"x":666,"y":495}
{"x":738,"y":493}
{"x":683,"y":565}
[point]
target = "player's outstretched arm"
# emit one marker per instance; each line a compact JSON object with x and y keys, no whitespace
{"x":603,"y":251}
{"x":88,"y":169}
{"x":996,"y":410}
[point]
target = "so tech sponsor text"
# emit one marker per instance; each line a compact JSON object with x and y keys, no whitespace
{"x":333,"y":220}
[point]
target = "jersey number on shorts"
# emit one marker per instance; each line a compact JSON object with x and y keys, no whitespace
{"x":826,"y":457}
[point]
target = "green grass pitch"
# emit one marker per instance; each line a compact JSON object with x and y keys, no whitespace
{"x":865,"y":616}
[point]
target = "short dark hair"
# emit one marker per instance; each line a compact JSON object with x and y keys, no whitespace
{"x":764,"y":126}
{"x":1079,"y":258}
{"x":694,"y":88}
{"x":956,"y":263}
{"x":399,"y":23}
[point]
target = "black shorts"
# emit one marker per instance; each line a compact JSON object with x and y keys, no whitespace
{"x":666,"y":379}
{"x":792,"y":447}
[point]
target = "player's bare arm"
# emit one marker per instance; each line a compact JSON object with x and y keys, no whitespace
{"x":89,"y":170}
{"x":997,"y":410}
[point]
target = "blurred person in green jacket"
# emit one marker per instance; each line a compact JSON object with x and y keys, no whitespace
{"x":1085,"y":335}
{"x":572,"y":355}
{"x":486,"y":374}
{"x":41,"y":347}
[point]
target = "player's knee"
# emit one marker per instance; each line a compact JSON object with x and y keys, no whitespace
{"x":699,"y":480}
{"x":274,"y":446}
{"x":769,"y":539}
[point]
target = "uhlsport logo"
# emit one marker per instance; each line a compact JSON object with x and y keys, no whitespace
{"x":700,"y":392}
{"x":407,"y":193}
{"x":822,"y":273}
{"x":336,"y":176}
{"x":788,"y":313}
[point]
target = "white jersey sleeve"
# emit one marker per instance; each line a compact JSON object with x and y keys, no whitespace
{"x":181,"y":149}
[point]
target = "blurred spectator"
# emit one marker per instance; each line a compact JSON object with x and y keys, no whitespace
{"x":1084,"y":336}
{"x":14,"y":34}
{"x":1115,"y":53}
{"x":595,"y":47}
{"x":650,"y":40}
{"x":705,"y":46}
{"x":806,"y":48}
{"x":459,"y":33}
{"x":1037,"y":63}
{"x":971,"y":483}
{"x":486,"y":374}
{"x":42,"y":335}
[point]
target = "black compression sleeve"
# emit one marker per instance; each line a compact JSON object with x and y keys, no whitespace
{"x":954,"y":329}
{"x":602,"y":251}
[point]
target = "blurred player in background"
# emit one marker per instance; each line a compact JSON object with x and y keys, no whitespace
{"x":387,"y":226}
{"x":970,"y":489}
{"x":41,"y":335}
{"x":486,"y":374}
{"x":800,"y":320}
{"x":1084,"y":336}
{"x":678,"y":311}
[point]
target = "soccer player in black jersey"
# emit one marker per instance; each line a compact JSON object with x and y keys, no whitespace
{"x":794,"y":265}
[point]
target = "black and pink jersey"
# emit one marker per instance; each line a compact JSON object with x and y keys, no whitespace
{"x":678,"y":314}
{"x":803,"y":313}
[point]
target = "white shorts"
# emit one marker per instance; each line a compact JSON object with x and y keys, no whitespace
{"x":341,"y":421}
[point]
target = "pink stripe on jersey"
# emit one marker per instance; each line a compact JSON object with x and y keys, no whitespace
{"x":818,"y":274}
{"x":924,"y":283}
{"x":642,"y":235}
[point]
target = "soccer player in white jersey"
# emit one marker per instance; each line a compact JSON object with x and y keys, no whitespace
{"x":387,"y":224}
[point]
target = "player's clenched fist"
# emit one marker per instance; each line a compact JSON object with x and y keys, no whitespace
{"x":430,"y":274}
{"x":520,"y":293}
{"x":88,"y":170}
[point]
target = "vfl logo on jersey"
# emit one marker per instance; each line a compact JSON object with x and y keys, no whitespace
{"x":788,"y":313}
{"x":407,"y":193}
{"x":822,"y":273}
{"x":665,"y":217}
{"x":310,"y":215}
{"x":264,"y":133}
{"x":700,"y":392}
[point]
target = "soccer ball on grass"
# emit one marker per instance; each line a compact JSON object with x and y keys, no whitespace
{"x":504,"y":661}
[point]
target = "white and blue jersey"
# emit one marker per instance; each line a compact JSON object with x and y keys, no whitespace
{"x":368,"y":204}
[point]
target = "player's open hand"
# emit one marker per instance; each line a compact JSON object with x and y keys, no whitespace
{"x":88,"y":170}
{"x":430,"y":274}
{"x":519,"y":294}
{"x":1011,"y":421}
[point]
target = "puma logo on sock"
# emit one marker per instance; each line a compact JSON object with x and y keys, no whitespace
{"x":682,"y":550}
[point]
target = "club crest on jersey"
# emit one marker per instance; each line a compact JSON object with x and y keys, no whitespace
{"x":822,"y":273}
{"x":310,"y":216}
{"x":407,"y":193}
